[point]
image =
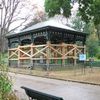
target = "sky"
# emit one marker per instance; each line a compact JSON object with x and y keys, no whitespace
{"x":39,"y":2}
{"x":28,"y":11}
{"x":40,"y":5}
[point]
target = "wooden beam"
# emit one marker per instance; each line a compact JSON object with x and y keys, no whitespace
{"x":38,"y":45}
{"x":11,"y":49}
{"x":24,"y":52}
{"x":48,"y":55}
{"x":63,"y":54}
{"x":75,"y":55}
{"x":47,"y":51}
{"x":25,"y":58}
{"x":31,"y":60}
{"x":13,"y":59}
{"x":69,"y":51}
{"x":18,"y":56}
{"x":14,"y":53}
{"x":39,"y":51}
{"x":54,"y":50}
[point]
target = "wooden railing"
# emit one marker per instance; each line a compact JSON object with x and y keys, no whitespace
{"x":47,"y":52}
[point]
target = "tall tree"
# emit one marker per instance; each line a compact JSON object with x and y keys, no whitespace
{"x":77,"y":23}
{"x":58,"y":7}
{"x":80,"y":25}
{"x":90,"y":11}
{"x":9,"y":14}
{"x":92,"y":45}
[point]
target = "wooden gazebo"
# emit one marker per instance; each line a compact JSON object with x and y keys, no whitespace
{"x":47,"y":43}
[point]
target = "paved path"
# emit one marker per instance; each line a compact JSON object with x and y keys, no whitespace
{"x":67,"y":90}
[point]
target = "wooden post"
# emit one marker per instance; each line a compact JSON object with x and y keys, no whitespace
{"x":19,"y":56}
{"x":8,"y":57}
{"x":48,"y":55}
{"x":31,"y":60}
{"x":55,"y":56}
{"x":75,"y":54}
{"x":84,"y":51}
{"x":63,"y":52}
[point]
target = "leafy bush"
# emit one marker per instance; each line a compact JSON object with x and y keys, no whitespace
{"x":5,"y":85}
{"x":98,"y":55}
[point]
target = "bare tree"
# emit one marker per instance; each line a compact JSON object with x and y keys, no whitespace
{"x":10,"y":11}
{"x":40,"y":16}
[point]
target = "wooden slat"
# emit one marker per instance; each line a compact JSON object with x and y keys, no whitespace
{"x":56,"y":51}
{"x":38,"y":58}
{"x":13,"y":59}
{"x":80,"y":47}
{"x":39,"y":51}
{"x":12,"y":49}
{"x":25,"y":46}
{"x":39,"y":45}
{"x":56,"y":58}
{"x":69,"y":51}
{"x":22,"y":58}
{"x":24,"y":52}
{"x":79,"y":51}
{"x":14,"y":53}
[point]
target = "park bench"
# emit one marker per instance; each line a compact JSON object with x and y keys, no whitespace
{"x":37,"y":95}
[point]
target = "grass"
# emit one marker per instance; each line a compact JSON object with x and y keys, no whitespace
{"x":87,"y":76}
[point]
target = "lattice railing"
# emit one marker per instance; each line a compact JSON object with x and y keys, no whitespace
{"x":47,"y":51}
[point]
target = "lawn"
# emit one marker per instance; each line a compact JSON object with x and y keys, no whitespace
{"x":80,"y":75}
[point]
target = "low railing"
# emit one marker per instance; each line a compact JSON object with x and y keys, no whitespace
{"x":37,"y":95}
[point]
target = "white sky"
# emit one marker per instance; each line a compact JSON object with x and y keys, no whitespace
{"x":28,"y":10}
{"x":40,"y":5}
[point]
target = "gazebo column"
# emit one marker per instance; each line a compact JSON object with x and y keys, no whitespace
{"x":63,"y":52}
{"x":31,"y":59}
{"x":48,"y":55}
{"x":8,"y":52}
{"x":32,"y":43}
{"x":75,"y":55}
{"x":55,"y":56}
{"x":19,"y":56}
{"x":84,"y":50}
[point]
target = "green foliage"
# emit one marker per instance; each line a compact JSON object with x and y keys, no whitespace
{"x":80,"y":25}
{"x":5,"y":86}
{"x":90,"y":10}
{"x":53,"y":7}
{"x":98,"y":54}
{"x":77,"y":23}
{"x":5,"y":83}
{"x":89,"y":27}
{"x":6,"y":92}
{"x":92,"y":45}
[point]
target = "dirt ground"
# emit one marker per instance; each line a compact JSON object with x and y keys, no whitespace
{"x":86,"y":75}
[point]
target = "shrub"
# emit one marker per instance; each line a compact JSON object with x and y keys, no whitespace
{"x":98,"y":56}
{"x":5,"y":85}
